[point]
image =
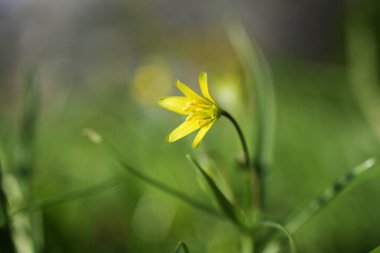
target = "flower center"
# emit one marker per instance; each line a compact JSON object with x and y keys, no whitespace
{"x":201,"y":113}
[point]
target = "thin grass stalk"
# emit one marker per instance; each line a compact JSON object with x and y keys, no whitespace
{"x":363,"y":66}
{"x":64,"y":198}
{"x":6,"y":242}
{"x":19,"y":224}
{"x":118,"y":157}
{"x":26,"y":226}
{"x":181,"y":245}
{"x":311,"y":209}
{"x":274,"y":243}
{"x":257,"y":68}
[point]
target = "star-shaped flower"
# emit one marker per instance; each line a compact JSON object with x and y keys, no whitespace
{"x":202,"y":111}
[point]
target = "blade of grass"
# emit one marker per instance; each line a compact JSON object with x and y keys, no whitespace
{"x":181,"y":245}
{"x":165,"y":188}
{"x":327,"y":196}
{"x":118,"y":157}
{"x":106,"y":185}
{"x":363,"y":69}
{"x":227,"y":207}
{"x":27,"y":230}
{"x":257,"y":70}
{"x":377,"y":250}
{"x":6,"y":242}
{"x":96,"y":138}
{"x":284,"y":231}
{"x":20,"y":224}
{"x":71,"y":196}
{"x":28,"y":124}
{"x":258,"y":73}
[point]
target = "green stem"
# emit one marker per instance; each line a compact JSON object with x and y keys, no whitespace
{"x":256,"y":179}
{"x":117,"y":155}
{"x":7,"y":244}
{"x":257,"y":70}
{"x":247,"y":160}
{"x":283,"y":230}
{"x":70,"y":196}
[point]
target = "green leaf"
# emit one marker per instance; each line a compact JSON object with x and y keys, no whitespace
{"x":227,"y":207}
{"x":71,"y":195}
{"x":116,"y":154}
{"x":282,"y":229}
{"x":376,"y":250}
{"x":328,"y":195}
{"x":28,"y":124}
{"x":30,"y":107}
{"x":218,"y":175}
{"x":258,"y":74}
{"x":363,"y":64}
{"x":181,"y":245}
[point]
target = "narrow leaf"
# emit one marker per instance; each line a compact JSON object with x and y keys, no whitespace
{"x":7,"y":244}
{"x":181,"y":245}
{"x":327,"y":196}
{"x":70,"y":196}
{"x":165,"y":188}
{"x":227,"y":207}
{"x":258,"y":74}
{"x":377,"y":250}
{"x":28,"y":125}
{"x":363,"y":64}
{"x":30,"y":107}
{"x":116,"y":154}
{"x":284,"y":231}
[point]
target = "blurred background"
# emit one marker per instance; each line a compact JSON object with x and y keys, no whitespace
{"x":70,"y":65}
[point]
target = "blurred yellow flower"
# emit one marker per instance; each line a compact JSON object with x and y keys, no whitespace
{"x":202,"y":112}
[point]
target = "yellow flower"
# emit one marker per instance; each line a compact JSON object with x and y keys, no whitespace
{"x":202,"y":112}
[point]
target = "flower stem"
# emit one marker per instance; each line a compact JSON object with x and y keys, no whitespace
{"x":247,"y":160}
{"x":256,"y":179}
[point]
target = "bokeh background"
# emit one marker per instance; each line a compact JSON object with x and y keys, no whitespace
{"x":103,"y":65}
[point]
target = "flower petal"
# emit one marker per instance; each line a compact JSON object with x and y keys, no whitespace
{"x":188,"y":92}
{"x":204,"y":86}
{"x":175,"y":104}
{"x":201,"y":134}
{"x":182,"y":130}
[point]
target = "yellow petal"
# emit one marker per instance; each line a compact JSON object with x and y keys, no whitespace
{"x":188,"y":92}
{"x":182,"y":130}
{"x":204,"y":86}
{"x":175,"y":104}
{"x":201,"y":134}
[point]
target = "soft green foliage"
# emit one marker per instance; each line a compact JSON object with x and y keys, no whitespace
{"x":181,"y":245}
{"x":126,"y":190}
{"x":227,"y":207}
{"x":377,"y":250}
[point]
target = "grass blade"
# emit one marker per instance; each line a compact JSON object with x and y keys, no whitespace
{"x":362,"y":52}
{"x":20,"y":224}
{"x":165,"y":188}
{"x":327,"y":196}
{"x":6,"y":242}
{"x":377,"y":250}
{"x":181,"y":245}
{"x":117,"y":155}
{"x":257,"y":70}
{"x":228,"y":208}
{"x":284,"y":231}
{"x":28,"y":123}
{"x":71,"y":195}
{"x":258,"y":73}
